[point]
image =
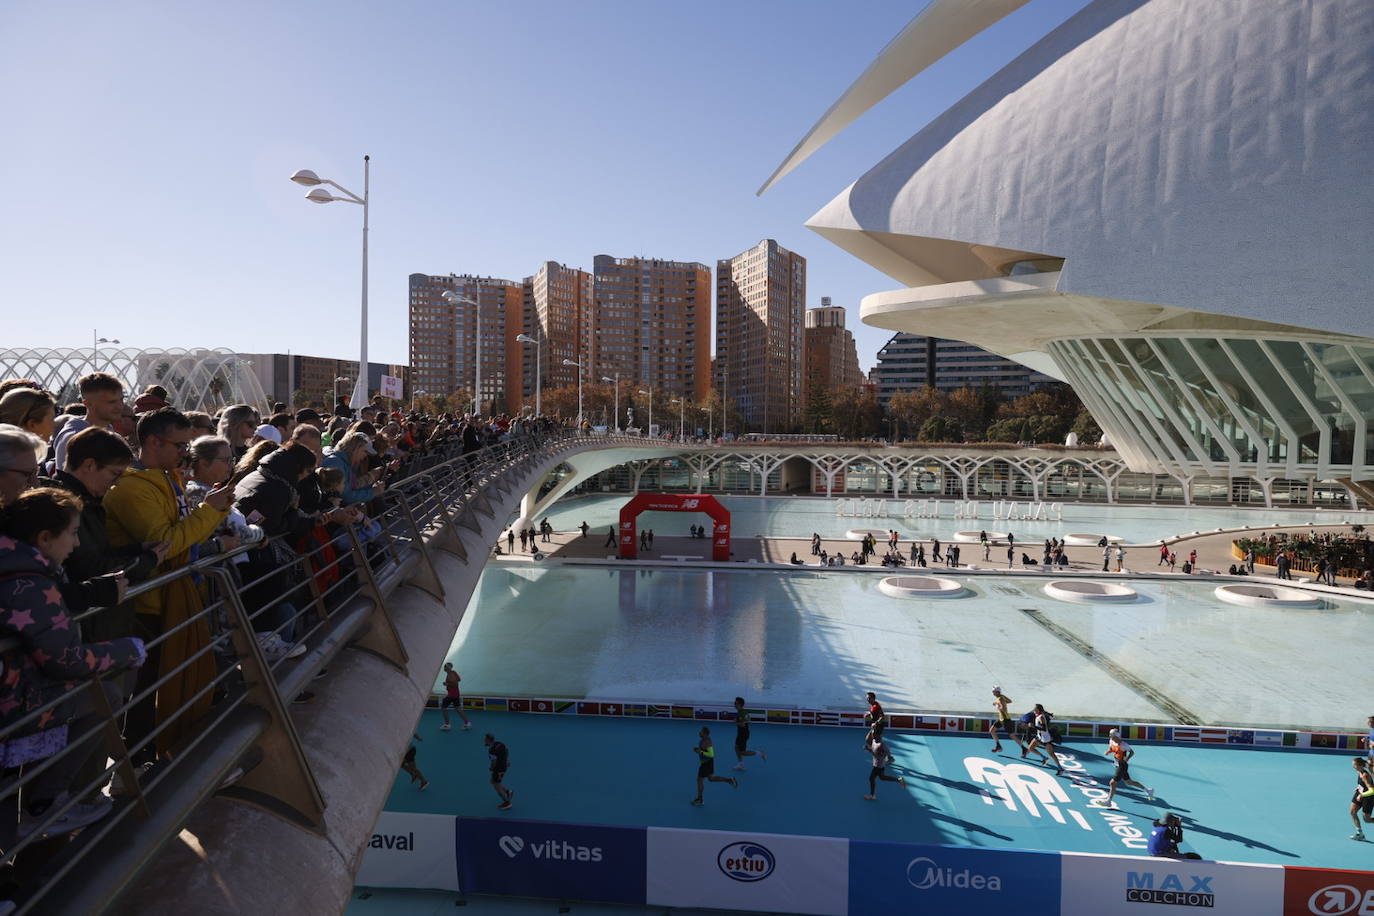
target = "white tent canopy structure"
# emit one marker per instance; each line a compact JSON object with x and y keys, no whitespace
{"x":195,"y":379}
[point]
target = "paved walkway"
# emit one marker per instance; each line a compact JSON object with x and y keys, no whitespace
{"x":1214,"y":551}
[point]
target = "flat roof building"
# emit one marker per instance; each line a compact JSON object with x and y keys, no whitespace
{"x":830,"y":358}
{"x":444,"y":345}
{"x":760,"y":302}
{"x":911,"y":361}
{"x":651,"y":324}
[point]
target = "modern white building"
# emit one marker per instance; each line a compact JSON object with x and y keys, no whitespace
{"x":1167,"y":203}
{"x":199,"y":379}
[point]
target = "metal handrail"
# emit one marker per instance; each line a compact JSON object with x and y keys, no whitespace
{"x":250,"y":725}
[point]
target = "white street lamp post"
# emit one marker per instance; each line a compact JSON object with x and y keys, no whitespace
{"x":573,"y":362}
{"x":321,"y":196}
{"x":681,"y":415}
{"x":453,"y":299}
{"x":525,"y":338}
{"x":650,"y":393}
{"x":414,"y":395}
{"x":95,"y":348}
{"x":606,"y":378}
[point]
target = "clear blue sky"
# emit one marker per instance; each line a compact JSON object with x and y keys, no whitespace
{"x":147,"y":147}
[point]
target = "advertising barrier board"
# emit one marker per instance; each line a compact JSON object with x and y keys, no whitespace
{"x":565,"y":861}
{"x":1327,"y":892}
{"x":1140,"y":885}
{"x":411,"y":850}
{"x":747,"y":871}
{"x":919,"y":878}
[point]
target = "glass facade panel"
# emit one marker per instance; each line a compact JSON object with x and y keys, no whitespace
{"x":1274,"y":389}
{"x":1211,"y":354}
{"x":1119,"y":417}
{"x":1001,"y":480}
{"x":1179,"y":364}
{"x":1148,"y":397}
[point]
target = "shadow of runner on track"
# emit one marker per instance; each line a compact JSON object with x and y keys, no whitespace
{"x":1195,"y":827}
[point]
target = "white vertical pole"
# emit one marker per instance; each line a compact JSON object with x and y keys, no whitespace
{"x":360,"y":387}
{"x":477,"y":362}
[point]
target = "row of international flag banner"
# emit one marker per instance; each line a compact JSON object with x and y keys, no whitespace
{"x":1173,"y":734}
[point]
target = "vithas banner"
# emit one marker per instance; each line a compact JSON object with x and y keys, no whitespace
{"x":534,"y":859}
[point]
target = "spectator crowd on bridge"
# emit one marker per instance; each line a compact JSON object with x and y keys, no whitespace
{"x":122,"y":489}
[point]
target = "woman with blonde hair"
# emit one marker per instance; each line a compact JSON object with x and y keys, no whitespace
{"x":237,"y":424}
{"x":31,"y":410}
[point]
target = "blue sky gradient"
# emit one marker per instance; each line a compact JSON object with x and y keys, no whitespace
{"x":148,"y":145}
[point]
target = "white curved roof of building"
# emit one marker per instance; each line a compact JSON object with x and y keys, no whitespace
{"x":1212,"y":157}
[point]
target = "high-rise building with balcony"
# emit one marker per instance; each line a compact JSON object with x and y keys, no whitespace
{"x":831,"y":360}
{"x":910,"y":361}
{"x":760,"y":302}
{"x":558,"y":302}
{"x":444,"y":345}
{"x":651,"y":324}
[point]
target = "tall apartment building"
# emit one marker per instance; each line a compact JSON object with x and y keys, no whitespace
{"x":910,"y":361}
{"x":831,"y":358}
{"x":760,"y":302}
{"x":558,"y":302}
{"x":651,"y":324}
{"x":445,"y":352}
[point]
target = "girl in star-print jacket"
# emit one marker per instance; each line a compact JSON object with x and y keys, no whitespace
{"x":37,"y":532}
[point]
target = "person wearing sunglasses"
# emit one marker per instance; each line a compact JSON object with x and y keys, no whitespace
{"x":19,"y":454}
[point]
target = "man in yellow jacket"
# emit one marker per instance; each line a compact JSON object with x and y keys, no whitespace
{"x":148,"y":503}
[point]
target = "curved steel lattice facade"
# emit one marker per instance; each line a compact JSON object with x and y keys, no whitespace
{"x":194,"y":379}
{"x":1292,"y":407}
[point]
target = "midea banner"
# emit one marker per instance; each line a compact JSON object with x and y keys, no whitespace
{"x":1143,"y":885}
{"x":747,"y":871}
{"x":919,"y":878}
{"x":411,"y":850}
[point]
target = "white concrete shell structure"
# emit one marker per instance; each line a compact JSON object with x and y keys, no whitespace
{"x":194,"y":379}
{"x":1167,"y":203}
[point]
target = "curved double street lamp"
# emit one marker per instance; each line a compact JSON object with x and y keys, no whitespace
{"x":650,"y":394}
{"x":616,"y":380}
{"x":681,"y":414}
{"x":456,"y":299}
{"x":320,"y":196}
{"x":573,"y":362}
{"x":525,"y":338}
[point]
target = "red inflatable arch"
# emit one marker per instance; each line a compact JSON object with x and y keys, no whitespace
{"x":664,"y":502}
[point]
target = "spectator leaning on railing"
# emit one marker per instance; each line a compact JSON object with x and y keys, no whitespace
{"x":38,"y":531}
{"x":148,"y":504}
{"x":350,"y":456}
{"x":99,"y":573}
{"x":269,"y":492}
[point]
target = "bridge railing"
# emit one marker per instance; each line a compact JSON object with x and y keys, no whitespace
{"x":208,"y":714}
